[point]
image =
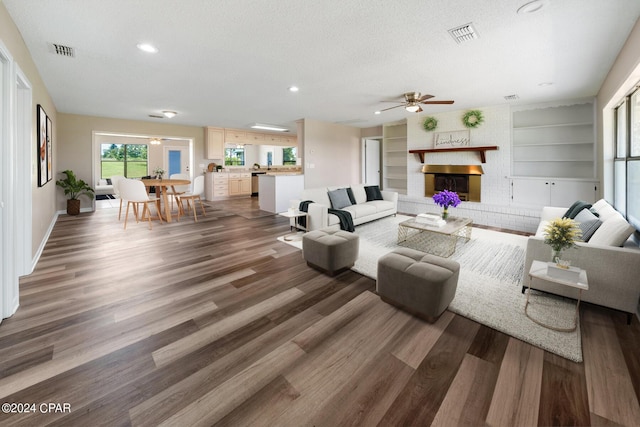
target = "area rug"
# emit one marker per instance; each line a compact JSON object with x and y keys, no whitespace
{"x":489,"y":286}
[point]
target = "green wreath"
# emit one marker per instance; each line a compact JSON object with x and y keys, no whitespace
{"x":473,"y":118}
{"x":430,"y":123}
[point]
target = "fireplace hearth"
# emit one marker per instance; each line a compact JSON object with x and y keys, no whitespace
{"x":463,"y":179}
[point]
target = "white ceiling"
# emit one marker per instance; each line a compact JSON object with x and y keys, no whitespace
{"x":229,"y":63}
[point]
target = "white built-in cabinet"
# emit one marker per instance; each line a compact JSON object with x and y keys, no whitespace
{"x":552,"y":192}
{"x":553,"y":155}
{"x":394,"y":157}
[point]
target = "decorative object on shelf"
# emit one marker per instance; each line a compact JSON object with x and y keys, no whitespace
{"x":430,"y":124}
{"x":74,"y":188}
{"x":478,"y":149}
{"x":158,"y":172}
{"x":451,"y":139}
{"x":560,"y":234}
{"x":256,"y":166}
{"x":444,"y":199}
{"x":473,"y":118}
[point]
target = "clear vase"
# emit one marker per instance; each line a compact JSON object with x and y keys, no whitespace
{"x":445,"y":213}
{"x":556,"y":255}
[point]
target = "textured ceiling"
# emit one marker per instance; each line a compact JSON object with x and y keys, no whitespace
{"x":229,"y":63}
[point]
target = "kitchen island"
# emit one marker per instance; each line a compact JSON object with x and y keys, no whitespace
{"x":277,"y":190}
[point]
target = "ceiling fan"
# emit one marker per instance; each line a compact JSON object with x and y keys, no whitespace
{"x":412,"y":101}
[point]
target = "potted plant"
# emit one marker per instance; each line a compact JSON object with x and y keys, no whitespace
{"x":74,"y":188}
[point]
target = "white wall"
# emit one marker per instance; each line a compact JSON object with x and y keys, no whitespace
{"x":331,"y":153}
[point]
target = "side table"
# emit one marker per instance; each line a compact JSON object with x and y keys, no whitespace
{"x":293,"y":216}
{"x":539,"y":271}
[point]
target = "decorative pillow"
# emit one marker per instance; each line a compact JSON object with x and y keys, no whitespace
{"x":352,"y":197}
{"x":359,"y":193}
{"x":575,"y":209}
{"x":613,"y":232}
{"x":339,"y":198}
{"x":588,"y":223}
{"x":373,"y":193}
{"x":606,"y":212}
{"x":102,"y":182}
{"x":599,"y":204}
{"x":109,"y":181}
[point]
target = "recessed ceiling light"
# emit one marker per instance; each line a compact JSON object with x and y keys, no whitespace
{"x":377,"y":112}
{"x":169,"y":114}
{"x":545,"y":84}
{"x":531,"y":7}
{"x":269,"y":127}
{"x":293,"y":89}
{"x":146,"y":47}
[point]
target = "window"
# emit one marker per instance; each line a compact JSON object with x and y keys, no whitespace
{"x":234,"y":156}
{"x":627,"y":160}
{"x":289,"y":156}
{"x":128,"y":160}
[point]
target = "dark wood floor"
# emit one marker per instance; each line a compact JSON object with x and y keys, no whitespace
{"x":218,"y":323}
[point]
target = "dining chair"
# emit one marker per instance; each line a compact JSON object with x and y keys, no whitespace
{"x":176,"y":190}
{"x":191,"y":197}
{"x":135,"y":193}
{"x":114,"y":182}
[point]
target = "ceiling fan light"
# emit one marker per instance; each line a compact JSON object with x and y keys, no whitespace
{"x":169,"y":114}
{"x":412,"y":108}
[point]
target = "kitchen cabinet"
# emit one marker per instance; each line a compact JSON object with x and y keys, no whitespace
{"x":240,"y":184}
{"x":214,"y":143}
{"x":552,"y":192}
{"x":235,"y":136}
{"x":216,"y":185}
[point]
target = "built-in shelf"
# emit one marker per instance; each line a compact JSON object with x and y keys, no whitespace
{"x":480,"y":150}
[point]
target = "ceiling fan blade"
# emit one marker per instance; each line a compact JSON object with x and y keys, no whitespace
{"x":437,"y":102}
{"x":424,"y":97}
{"x":397,"y":102}
{"x":390,"y":108}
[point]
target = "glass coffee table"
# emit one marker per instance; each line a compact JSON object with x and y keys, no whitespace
{"x":432,"y":239}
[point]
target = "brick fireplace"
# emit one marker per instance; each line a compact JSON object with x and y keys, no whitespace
{"x":463,"y":179}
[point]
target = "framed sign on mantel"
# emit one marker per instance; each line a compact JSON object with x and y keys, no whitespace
{"x":451,"y":139}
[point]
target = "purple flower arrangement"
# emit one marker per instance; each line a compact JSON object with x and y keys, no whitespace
{"x":446,"y":198}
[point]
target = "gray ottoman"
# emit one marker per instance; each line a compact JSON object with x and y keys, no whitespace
{"x":421,"y":284}
{"x":330,"y":251}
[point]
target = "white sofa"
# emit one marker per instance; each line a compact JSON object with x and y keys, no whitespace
{"x":613,"y":271}
{"x":361,"y":212}
{"x":103,"y":188}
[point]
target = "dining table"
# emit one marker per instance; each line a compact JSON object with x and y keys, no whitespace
{"x":161,"y":186}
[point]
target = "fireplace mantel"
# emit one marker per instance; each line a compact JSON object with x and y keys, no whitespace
{"x":480,"y":150}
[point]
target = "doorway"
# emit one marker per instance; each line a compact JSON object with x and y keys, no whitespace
{"x":177,"y":160}
{"x":371,"y":161}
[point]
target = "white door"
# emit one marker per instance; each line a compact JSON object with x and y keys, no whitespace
{"x":372,"y":161}
{"x":177,"y":160}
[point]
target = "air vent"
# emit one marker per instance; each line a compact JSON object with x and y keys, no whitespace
{"x":62,"y":50}
{"x":464,"y":33}
{"x":156,"y":116}
{"x":511,"y":97}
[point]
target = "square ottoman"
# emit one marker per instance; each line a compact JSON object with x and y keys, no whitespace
{"x":421,"y":284}
{"x":330,"y":251}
